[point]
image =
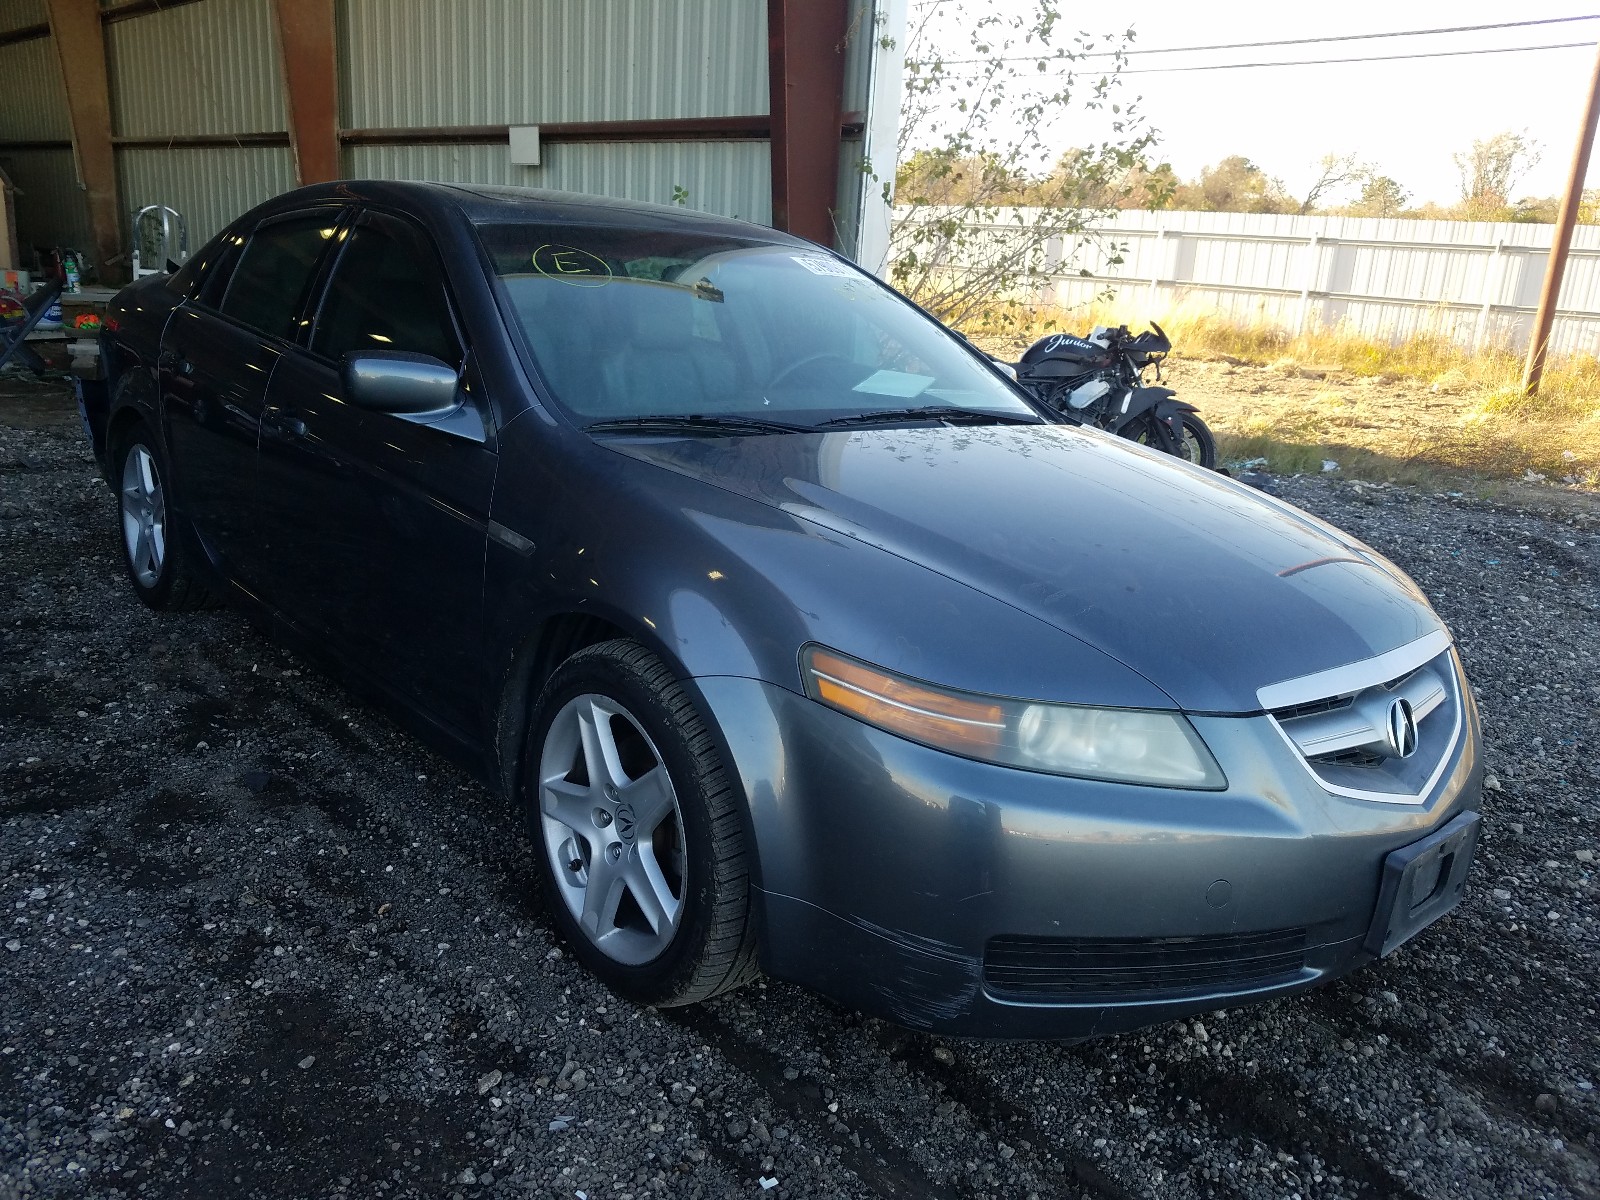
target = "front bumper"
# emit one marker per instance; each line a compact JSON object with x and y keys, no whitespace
{"x":955,"y":896}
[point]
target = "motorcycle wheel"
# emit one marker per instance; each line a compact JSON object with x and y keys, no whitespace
{"x":1198,"y":446}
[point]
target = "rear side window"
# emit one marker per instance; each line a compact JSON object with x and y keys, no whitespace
{"x":269,"y":284}
{"x":386,"y":294}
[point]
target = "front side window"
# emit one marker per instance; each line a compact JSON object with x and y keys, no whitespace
{"x":626,"y":323}
{"x":386,"y":294}
{"x":268,"y":286}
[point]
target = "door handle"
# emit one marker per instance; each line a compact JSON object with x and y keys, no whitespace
{"x":171,"y":360}
{"x":289,"y":422}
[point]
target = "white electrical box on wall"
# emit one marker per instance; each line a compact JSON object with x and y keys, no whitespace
{"x":524,"y":145}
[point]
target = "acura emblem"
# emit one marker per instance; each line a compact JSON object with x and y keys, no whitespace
{"x":1401,"y":729}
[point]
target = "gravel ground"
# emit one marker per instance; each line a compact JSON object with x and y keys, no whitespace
{"x":259,"y":943}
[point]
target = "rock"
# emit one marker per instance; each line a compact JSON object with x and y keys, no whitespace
{"x":305,"y":1063}
{"x":945,"y":1055}
{"x":487,"y":1082}
{"x":1545,"y":1102}
{"x":738,"y":1127}
{"x":1491,"y":783}
{"x":13,"y":945}
{"x":1583,"y":856}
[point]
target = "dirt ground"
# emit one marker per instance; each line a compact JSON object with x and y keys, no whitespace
{"x":1387,"y":428}
{"x":259,"y":943}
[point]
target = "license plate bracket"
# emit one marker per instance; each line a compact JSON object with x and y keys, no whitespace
{"x":1422,"y":882}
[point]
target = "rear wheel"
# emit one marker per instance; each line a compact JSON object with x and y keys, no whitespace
{"x":156,"y":561}
{"x":642,"y":848}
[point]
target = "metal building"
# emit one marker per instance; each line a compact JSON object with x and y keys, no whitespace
{"x":770,"y":110}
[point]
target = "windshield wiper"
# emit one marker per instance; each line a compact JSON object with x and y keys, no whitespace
{"x":707,"y":423}
{"x":948,"y":413}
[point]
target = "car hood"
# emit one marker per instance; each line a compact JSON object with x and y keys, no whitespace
{"x":1207,"y":589}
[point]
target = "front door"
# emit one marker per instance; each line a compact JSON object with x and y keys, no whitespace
{"x":218,"y":355}
{"x":376,"y":524}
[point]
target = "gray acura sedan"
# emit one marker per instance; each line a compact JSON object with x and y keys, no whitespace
{"x":808,"y":644}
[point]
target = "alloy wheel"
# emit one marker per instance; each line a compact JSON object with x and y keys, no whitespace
{"x":612,"y":828}
{"x":144,"y":516}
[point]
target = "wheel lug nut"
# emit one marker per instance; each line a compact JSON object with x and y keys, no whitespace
{"x":602,"y":818}
{"x":575,"y":865}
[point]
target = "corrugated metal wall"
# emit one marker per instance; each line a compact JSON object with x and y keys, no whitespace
{"x":209,"y":187}
{"x":478,"y":62}
{"x":50,"y":209}
{"x":419,"y":63}
{"x":231,"y":85}
{"x":35,"y":107}
{"x":18,"y":14}
{"x":1474,"y":281}
{"x":230,"y":82}
{"x":721,"y":177}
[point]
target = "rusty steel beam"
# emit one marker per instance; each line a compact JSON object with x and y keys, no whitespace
{"x":805,"y":60}
{"x":24,"y":33}
{"x":685,"y":129}
{"x":81,"y":48}
{"x":308,"y":57}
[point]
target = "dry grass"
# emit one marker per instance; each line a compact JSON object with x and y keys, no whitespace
{"x":1426,"y":410}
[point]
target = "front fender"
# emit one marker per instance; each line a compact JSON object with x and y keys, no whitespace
{"x":1161,"y":402}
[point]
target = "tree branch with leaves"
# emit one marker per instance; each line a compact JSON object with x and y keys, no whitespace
{"x":987,"y":202}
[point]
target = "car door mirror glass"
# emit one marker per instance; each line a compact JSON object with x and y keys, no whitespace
{"x":411,"y":385}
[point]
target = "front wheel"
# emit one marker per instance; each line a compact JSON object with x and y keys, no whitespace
{"x":1197,"y":446}
{"x":643,"y":852}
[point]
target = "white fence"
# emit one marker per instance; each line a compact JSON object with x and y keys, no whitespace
{"x":1387,"y":278}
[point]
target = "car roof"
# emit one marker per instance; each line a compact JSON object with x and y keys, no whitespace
{"x":484,"y":204}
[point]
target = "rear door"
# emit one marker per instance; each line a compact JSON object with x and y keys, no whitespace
{"x":375,"y":524}
{"x":218,"y":354}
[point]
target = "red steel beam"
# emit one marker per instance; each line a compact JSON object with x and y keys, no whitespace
{"x":805,"y":58}
{"x":81,"y":48}
{"x":309,"y":59}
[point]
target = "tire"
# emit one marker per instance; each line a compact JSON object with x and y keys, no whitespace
{"x":155,"y":558}
{"x":1198,"y":446}
{"x":641,"y":845}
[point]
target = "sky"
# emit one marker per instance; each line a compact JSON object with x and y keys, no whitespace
{"x":1406,"y":117}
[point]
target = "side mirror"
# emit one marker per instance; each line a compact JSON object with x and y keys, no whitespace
{"x":1004,"y":368}
{"x":393,"y":381}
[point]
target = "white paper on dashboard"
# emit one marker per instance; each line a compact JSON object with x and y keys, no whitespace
{"x":894,"y":383}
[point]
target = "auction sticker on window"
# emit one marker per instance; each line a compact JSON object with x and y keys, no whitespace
{"x":571,"y":265}
{"x":821,"y":264}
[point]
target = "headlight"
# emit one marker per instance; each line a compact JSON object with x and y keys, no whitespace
{"x":1123,"y":745}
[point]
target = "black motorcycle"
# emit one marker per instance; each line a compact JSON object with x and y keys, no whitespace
{"x":1099,"y":381}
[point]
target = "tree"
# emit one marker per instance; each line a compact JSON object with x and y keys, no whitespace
{"x":1334,"y":171}
{"x":975,"y":138}
{"x":1381,"y":196}
{"x":1490,"y":170}
{"x":1234,"y":185}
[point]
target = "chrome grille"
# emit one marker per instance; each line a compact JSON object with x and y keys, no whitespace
{"x":1341,"y":736}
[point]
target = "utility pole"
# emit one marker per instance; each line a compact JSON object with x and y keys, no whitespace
{"x":1539,"y":344}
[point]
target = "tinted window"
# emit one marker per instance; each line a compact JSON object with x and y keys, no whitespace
{"x":631,"y":322}
{"x":269,"y":284}
{"x":386,"y":294}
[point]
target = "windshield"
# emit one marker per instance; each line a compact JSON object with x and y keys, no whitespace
{"x":660,"y":323}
